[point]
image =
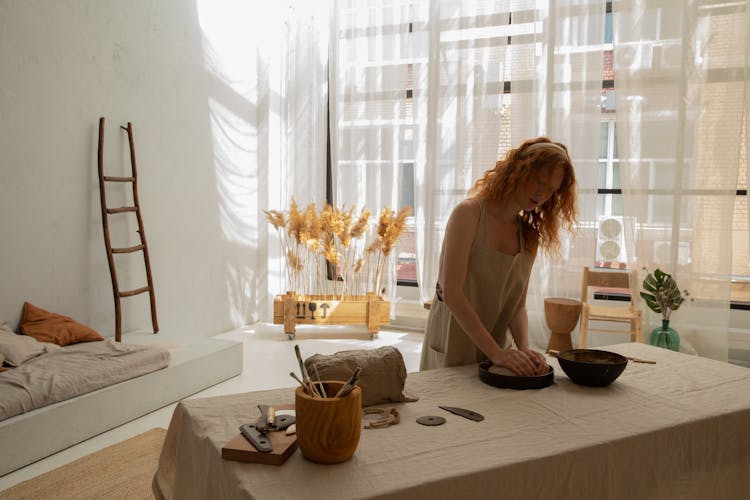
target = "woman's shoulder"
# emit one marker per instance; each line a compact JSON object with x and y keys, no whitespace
{"x":464,"y":219}
{"x":470,"y":208}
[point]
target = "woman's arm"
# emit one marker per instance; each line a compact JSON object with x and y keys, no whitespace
{"x":459,"y":237}
{"x":519,"y":329}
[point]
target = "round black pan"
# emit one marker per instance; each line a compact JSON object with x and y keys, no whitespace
{"x":512,"y":381}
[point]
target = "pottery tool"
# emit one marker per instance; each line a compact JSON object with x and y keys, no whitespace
{"x":555,"y":354}
{"x":282,"y":443}
{"x":257,"y":438}
{"x":639,"y":360}
{"x":261,"y":424}
{"x":431,"y":420}
{"x":349,"y":385}
{"x":305,"y":386}
{"x":320,"y":384}
{"x":461,"y":412}
{"x":295,"y":377}
{"x":269,"y":420}
{"x":305,"y":376}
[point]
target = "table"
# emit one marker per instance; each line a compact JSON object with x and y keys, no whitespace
{"x":678,"y":428}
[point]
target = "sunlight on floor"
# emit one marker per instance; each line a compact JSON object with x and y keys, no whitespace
{"x":269,"y":354}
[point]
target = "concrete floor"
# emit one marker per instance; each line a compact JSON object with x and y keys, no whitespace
{"x":268,"y":357}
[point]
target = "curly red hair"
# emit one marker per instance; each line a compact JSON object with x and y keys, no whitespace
{"x":543,"y":223}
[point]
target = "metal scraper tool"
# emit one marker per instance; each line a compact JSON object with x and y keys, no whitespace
{"x":471,"y":415}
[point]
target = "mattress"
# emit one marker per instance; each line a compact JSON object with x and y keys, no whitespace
{"x":74,"y":370}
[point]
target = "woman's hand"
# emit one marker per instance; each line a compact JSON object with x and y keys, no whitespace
{"x":525,"y":363}
{"x":539,"y":361}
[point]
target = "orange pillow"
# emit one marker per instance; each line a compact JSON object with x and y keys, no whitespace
{"x":54,"y":328}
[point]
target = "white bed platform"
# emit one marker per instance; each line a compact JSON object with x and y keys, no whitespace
{"x":195,"y":364}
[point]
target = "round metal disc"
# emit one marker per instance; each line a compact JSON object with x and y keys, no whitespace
{"x":431,"y":420}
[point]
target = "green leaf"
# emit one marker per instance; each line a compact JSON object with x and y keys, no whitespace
{"x":662,"y":295}
{"x":659,"y":274}
{"x":676,"y":303}
{"x":651,"y":302}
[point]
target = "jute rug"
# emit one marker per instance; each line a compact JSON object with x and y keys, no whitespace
{"x":121,"y":471}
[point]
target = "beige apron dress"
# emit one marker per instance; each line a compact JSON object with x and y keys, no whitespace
{"x":494,"y":285}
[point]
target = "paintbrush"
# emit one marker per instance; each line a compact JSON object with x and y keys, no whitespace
{"x":349,"y":385}
{"x":320,"y":384}
{"x":306,"y":386}
{"x":305,"y":377}
{"x":295,"y":377}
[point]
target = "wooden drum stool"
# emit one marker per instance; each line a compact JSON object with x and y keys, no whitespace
{"x":562,"y":316}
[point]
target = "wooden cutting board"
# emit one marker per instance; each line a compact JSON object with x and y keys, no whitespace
{"x":239,"y":448}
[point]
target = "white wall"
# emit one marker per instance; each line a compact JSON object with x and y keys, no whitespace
{"x":63,"y":64}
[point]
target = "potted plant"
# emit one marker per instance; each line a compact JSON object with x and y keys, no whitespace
{"x":662,"y":295}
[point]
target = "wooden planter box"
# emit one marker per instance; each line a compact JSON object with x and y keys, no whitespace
{"x":370,"y":310}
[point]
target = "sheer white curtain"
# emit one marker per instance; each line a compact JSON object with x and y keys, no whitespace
{"x":372,"y":119}
{"x":681,"y":73}
{"x":560,"y":70}
{"x":458,"y":101}
{"x":292,"y":120}
{"x":479,"y":96}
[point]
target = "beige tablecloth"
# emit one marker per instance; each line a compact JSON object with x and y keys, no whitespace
{"x":676,"y":429}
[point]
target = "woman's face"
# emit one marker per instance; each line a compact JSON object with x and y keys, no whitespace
{"x":539,"y":187}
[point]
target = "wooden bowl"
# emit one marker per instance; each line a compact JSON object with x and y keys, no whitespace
{"x":328,"y":429}
{"x":592,"y":367}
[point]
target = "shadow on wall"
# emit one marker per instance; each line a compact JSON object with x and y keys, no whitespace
{"x":188,"y":88}
{"x":230,"y":58}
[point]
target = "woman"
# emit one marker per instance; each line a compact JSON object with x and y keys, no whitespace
{"x":489,"y":247}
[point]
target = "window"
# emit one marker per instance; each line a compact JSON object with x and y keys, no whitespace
{"x":609,"y":189}
{"x":661,"y":177}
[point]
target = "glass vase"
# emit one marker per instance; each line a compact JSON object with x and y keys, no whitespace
{"x":665,"y":337}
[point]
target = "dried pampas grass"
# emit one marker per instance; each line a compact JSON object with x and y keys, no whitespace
{"x":314,"y":241}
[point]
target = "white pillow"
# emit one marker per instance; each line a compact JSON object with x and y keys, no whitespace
{"x":20,"y":348}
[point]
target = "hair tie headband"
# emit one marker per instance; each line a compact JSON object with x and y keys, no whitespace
{"x":544,"y":145}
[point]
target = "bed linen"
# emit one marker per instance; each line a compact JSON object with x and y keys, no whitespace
{"x":72,"y":371}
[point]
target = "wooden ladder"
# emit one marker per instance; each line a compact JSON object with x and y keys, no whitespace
{"x":143,"y":247}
